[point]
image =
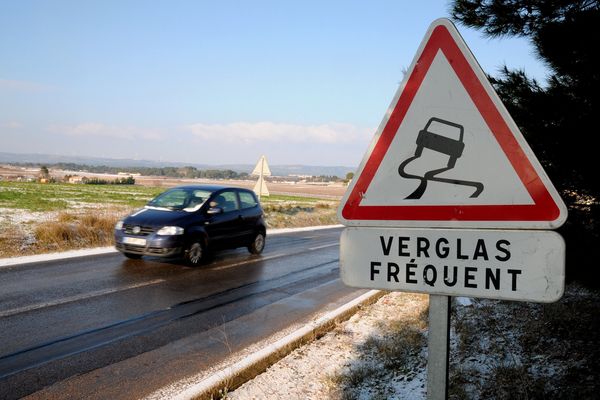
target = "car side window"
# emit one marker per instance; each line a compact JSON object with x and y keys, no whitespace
{"x":247,"y":200}
{"x":227,"y":201}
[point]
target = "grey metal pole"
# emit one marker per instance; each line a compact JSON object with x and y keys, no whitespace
{"x":260,"y":177}
{"x":438,"y":347}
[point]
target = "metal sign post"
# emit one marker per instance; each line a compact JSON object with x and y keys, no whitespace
{"x":438,"y":345}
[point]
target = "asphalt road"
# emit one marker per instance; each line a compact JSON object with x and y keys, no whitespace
{"x":108,"y":327}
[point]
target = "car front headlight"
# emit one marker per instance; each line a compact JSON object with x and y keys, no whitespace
{"x":170,"y":230}
{"x":119,"y":225}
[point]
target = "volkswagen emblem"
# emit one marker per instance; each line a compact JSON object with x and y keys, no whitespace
{"x":136,"y":230}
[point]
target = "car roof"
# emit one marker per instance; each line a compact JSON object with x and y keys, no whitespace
{"x":211,"y":188}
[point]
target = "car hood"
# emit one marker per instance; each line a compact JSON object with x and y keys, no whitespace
{"x":157,"y":217}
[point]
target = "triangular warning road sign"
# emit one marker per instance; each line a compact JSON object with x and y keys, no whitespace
{"x":262,"y":167}
{"x":448,"y":154}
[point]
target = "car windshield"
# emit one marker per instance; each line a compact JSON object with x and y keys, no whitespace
{"x":187,"y":199}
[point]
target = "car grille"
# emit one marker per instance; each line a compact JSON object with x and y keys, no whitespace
{"x":158,"y":251}
{"x":128,"y":248}
{"x":144,"y":230}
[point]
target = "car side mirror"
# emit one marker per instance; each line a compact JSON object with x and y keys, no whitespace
{"x":214,"y":210}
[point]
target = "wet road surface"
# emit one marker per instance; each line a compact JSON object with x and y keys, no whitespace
{"x":62,"y":319}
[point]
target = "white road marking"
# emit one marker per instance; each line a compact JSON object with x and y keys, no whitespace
{"x":271,"y":257}
{"x":78,"y":297}
{"x":250,"y":261}
{"x":324,"y":246}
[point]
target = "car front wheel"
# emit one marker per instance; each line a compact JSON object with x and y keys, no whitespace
{"x":258,"y":244}
{"x":132,"y":256}
{"x":194,"y":254}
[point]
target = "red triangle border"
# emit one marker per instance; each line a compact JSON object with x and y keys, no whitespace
{"x":544,"y":207}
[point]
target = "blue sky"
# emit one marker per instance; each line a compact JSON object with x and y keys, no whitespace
{"x":213,"y":82}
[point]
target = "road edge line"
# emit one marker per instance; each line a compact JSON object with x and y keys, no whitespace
{"x":234,"y":376}
{"x":65,"y":255}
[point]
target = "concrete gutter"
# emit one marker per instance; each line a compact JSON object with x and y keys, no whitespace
{"x":234,"y":376}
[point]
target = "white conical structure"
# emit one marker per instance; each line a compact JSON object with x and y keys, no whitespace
{"x":262,"y":167}
{"x":262,"y":170}
{"x":261,"y":187}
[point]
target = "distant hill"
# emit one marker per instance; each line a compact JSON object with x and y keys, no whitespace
{"x":279,"y":170}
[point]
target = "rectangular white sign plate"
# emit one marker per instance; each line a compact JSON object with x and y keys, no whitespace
{"x":517,"y":265}
{"x":134,"y":241}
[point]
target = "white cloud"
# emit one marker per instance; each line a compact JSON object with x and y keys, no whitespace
{"x":11,"y":125}
{"x":101,"y":130}
{"x":252,"y":132}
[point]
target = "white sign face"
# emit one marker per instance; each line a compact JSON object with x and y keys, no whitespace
{"x":448,"y":154}
{"x":498,"y":264}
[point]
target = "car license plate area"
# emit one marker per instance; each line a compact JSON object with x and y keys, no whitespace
{"x":134,"y":241}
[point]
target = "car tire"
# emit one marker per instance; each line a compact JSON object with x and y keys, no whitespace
{"x":133,"y":256}
{"x":258,"y":244}
{"x":194,"y":254}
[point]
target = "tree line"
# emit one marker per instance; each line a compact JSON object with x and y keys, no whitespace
{"x":172,"y":172}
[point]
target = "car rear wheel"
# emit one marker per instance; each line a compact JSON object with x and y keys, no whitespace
{"x":194,"y":254}
{"x":258,"y":244}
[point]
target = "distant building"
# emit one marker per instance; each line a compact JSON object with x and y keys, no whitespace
{"x":300,"y":176}
{"x":76,"y":179}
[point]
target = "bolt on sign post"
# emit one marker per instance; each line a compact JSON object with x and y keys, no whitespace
{"x":449,"y":199}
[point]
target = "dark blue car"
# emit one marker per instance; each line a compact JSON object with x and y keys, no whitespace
{"x":189,"y":220}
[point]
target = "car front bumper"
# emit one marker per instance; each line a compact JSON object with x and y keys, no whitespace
{"x":152,"y":245}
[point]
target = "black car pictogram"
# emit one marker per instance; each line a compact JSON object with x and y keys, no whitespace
{"x":453,"y":148}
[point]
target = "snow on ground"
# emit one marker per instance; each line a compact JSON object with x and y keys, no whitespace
{"x":313,"y":371}
{"x":497,"y":350}
{"x":18,"y":216}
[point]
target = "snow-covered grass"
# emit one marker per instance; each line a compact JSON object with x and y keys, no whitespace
{"x":508,"y":350}
{"x":499,"y":350}
{"x":378,"y":353}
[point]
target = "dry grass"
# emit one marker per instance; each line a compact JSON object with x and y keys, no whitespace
{"x":12,"y":241}
{"x":75,"y":231}
{"x":293,"y":215}
{"x":66,"y":231}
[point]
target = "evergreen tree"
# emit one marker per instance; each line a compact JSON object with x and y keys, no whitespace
{"x":44,"y":172}
{"x":560,"y":118}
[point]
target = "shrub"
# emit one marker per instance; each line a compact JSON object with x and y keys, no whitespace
{"x":72,"y":231}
